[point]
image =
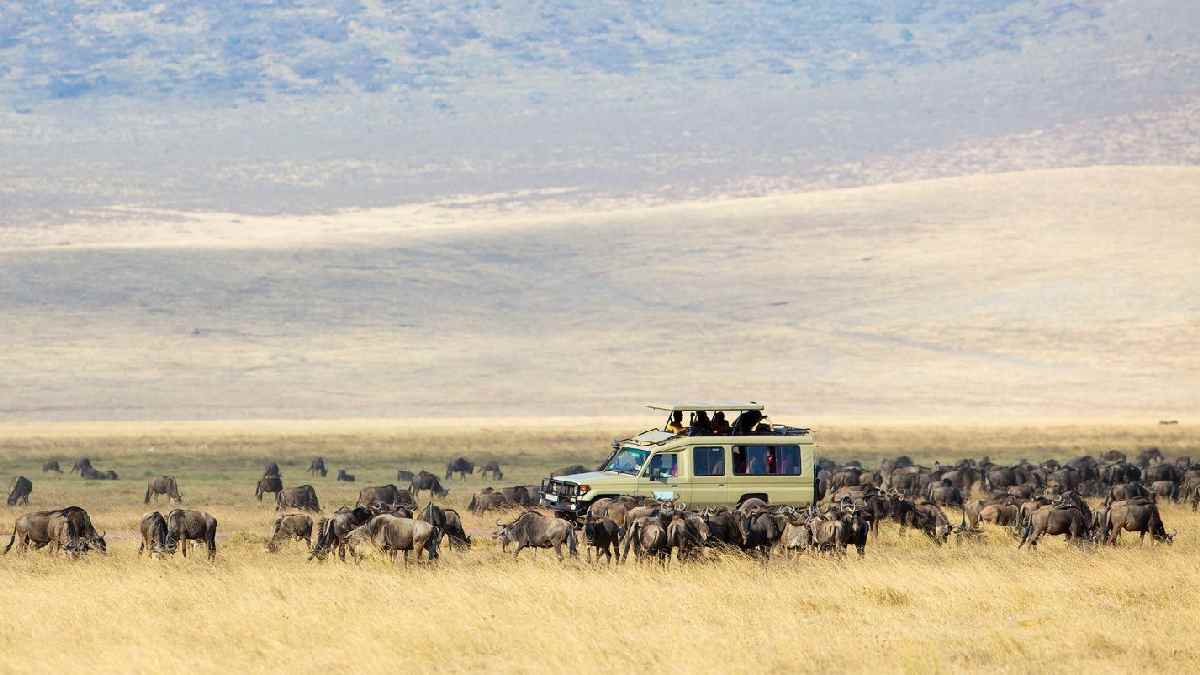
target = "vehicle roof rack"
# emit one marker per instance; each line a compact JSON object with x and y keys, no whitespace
{"x":707,"y":407}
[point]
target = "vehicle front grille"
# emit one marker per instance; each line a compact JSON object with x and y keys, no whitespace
{"x":555,"y":487}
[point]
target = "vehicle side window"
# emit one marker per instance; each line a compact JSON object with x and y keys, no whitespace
{"x":708,"y":461}
{"x":665,"y":465}
{"x":766,"y":460}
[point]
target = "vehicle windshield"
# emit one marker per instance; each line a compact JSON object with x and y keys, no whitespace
{"x":628,"y":460}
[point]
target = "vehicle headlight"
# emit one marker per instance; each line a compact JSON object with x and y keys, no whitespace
{"x":583,"y":489}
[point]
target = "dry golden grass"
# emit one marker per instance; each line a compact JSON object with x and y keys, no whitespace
{"x":907,"y":607}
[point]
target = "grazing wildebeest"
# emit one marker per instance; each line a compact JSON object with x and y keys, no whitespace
{"x":334,"y":530}
{"x":163,"y":485}
{"x":272,"y":469}
{"x":488,"y":501}
{"x":461,"y":466}
{"x":345,"y":477}
{"x":532,"y":529}
{"x":448,"y":522}
{"x":62,"y":536}
{"x":80,"y":465}
{"x":303,"y":497}
{"x":427,"y":481}
{"x":392,"y":534}
{"x":185,"y":526}
{"x":21,"y":489}
{"x":32,"y":528}
{"x":154,"y":534}
{"x":492,"y":468}
{"x":1056,"y":520}
{"x":570,"y":470}
{"x":1133,"y":515}
{"x":931,"y":520}
{"x":291,"y":526}
{"x":268,"y":484}
{"x":404,"y":475}
{"x":648,"y":537}
{"x":385,"y":497}
{"x":317,"y":466}
{"x":1131,"y":490}
{"x":51,"y":465}
{"x":602,"y":534}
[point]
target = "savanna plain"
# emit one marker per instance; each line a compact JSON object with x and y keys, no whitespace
{"x":907,"y":606}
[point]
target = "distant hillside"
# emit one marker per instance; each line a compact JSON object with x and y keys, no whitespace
{"x":1047,"y":294}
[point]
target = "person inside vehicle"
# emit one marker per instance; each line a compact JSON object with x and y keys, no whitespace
{"x":701,"y":425}
{"x":675,"y":426}
{"x":720,"y":427}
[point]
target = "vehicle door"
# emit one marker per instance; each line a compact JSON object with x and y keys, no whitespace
{"x":665,"y":476}
{"x":709,"y":475}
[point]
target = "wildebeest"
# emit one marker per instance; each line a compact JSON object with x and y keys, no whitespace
{"x":759,"y":533}
{"x":404,"y":475}
{"x":1067,"y":521}
{"x":461,"y":466}
{"x":1167,"y":489}
{"x":271,"y":469}
{"x":427,"y":481}
{"x":448,"y":523}
{"x":392,"y":535}
{"x":828,"y":534}
{"x":185,"y":526}
{"x":532,"y":529}
{"x":686,"y":535}
{"x":63,"y":537}
{"x":492,"y":468}
{"x":1125,"y":491}
{"x":21,"y":489}
{"x":317,"y":466}
{"x":333,"y":530}
{"x":1002,"y":511}
{"x":385,"y":497}
{"x":345,"y":477}
{"x":51,"y":465}
{"x":796,"y":537}
{"x":268,"y":484}
{"x":946,"y":493}
{"x":291,"y":526}
{"x":163,"y":485}
{"x":570,"y":470}
{"x":931,"y":520}
{"x":603,"y":535}
{"x":154,"y":534}
{"x":1149,"y":456}
{"x":33,"y":528}
{"x":89,"y":473}
{"x":648,"y":537}
{"x":80,"y":465}
{"x":724,"y":528}
{"x":1133,"y":515}
{"x":302,"y":497}
{"x":488,"y":501}
{"x":521,"y":495}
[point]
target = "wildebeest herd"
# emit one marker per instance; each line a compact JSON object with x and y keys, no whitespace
{"x":1030,"y":500}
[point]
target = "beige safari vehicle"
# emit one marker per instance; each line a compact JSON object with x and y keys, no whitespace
{"x":706,"y":454}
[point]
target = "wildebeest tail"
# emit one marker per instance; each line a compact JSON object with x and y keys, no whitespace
{"x":148,"y":491}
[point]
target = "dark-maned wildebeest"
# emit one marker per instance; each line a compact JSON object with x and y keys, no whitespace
{"x":1133,"y":515}
{"x":32,"y":528}
{"x":63,"y":537}
{"x":154,"y":534}
{"x":931,"y":520}
{"x":21,"y":489}
{"x":345,"y":477}
{"x":461,"y":466}
{"x":648,"y":537}
{"x":521,"y":495}
{"x":385,"y":498}
{"x":317,"y":466}
{"x":291,"y":526}
{"x":488,"y":501}
{"x":945,"y":494}
{"x":602,"y":534}
{"x":492,"y":468}
{"x":404,"y":475}
{"x":533,"y":530}
{"x":90,"y":473}
{"x":570,"y":470}
{"x":427,"y":481}
{"x":272,"y":469}
{"x":686,"y":536}
{"x":1167,"y":489}
{"x":268,"y":484}
{"x":185,"y":526}
{"x":760,"y":533}
{"x":1067,"y":521}
{"x":1121,"y":492}
{"x":303,"y":497}
{"x":333,"y":531}
{"x":51,"y":465}
{"x":828,"y":534}
{"x":723,"y":528}
{"x":80,"y":465}
{"x":163,"y":485}
{"x":392,"y":535}
{"x":448,"y":522}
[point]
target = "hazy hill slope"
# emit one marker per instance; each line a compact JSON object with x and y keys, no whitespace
{"x":1054,"y":293}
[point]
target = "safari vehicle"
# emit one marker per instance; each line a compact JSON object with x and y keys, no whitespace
{"x":706,"y":463}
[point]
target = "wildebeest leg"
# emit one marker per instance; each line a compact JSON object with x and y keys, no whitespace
{"x":558,"y":550}
{"x":518,"y":551}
